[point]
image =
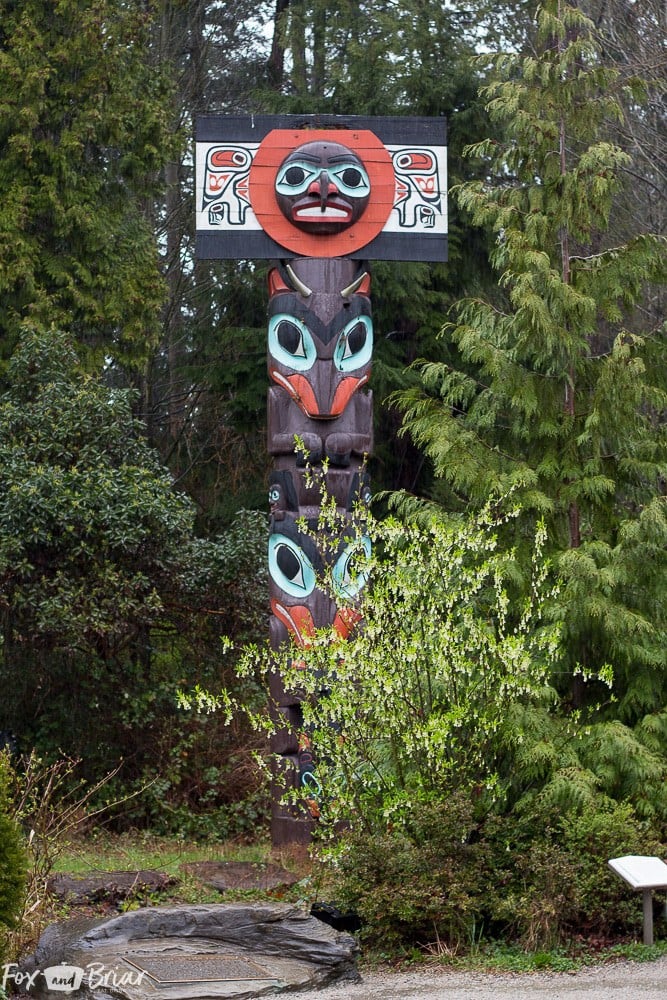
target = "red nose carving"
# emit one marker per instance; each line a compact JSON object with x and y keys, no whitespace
{"x":323,"y":188}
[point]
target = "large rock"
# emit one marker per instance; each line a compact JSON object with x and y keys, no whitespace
{"x":187,"y":952}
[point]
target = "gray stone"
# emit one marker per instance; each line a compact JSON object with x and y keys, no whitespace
{"x":226,"y":875}
{"x":191,"y":953}
{"x":99,"y":886}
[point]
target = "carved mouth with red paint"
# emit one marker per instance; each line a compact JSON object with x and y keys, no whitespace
{"x":310,"y":211}
{"x":298,"y":620}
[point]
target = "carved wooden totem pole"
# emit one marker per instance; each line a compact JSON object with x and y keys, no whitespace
{"x":320,"y":197}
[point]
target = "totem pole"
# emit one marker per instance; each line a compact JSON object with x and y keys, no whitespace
{"x":320,"y":197}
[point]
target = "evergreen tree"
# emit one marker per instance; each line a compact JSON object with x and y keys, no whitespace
{"x":84,"y":131}
{"x":633,"y":36}
{"x":564,"y":394}
{"x":203,"y":392}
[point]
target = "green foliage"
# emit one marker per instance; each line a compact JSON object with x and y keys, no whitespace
{"x":109,"y":601}
{"x":423,"y":882}
{"x":84,"y":133}
{"x":13,"y":860}
{"x":450,"y":881}
{"x":554,"y":387}
{"x":90,"y":527}
{"x":415,"y":703}
{"x":593,"y":837}
{"x":551,"y":877}
{"x":470,"y":803}
{"x":199,"y":780}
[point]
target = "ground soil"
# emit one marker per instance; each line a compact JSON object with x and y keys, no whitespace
{"x":617,"y":981}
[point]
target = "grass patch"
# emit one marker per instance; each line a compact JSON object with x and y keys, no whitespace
{"x":499,"y":957}
{"x":144,"y":851}
{"x":135,"y":851}
{"x":635,"y":951}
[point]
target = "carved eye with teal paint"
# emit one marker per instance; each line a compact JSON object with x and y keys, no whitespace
{"x":355,"y":345}
{"x":296,"y":177}
{"x":350,"y":573}
{"x":351,"y":179}
{"x":291,"y":343}
{"x":290,"y":567}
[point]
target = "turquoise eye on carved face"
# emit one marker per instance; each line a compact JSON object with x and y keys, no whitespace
{"x":291,"y":343}
{"x":349,"y":573}
{"x":355,"y":345}
{"x":350,"y":179}
{"x":295,"y":177}
{"x":290,"y":568}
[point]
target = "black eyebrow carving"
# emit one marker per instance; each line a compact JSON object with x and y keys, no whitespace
{"x":305,"y":156}
{"x":344,"y":158}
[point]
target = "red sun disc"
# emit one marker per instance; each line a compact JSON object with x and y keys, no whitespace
{"x":277,"y":145}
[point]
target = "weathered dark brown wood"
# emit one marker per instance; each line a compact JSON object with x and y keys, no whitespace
{"x":389,"y":128}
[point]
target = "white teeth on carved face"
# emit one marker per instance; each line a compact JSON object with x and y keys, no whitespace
{"x":317,"y":213}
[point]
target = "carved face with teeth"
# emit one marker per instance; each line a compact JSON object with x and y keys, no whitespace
{"x":322,"y":187}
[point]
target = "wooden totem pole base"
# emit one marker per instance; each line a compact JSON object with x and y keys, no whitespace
{"x":320,"y":349}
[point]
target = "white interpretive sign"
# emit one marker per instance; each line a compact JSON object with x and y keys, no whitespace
{"x":641,"y":872}
{"x":646,"y":874}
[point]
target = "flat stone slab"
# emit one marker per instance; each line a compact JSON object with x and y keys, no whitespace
{"x":101,"y":886}
{"x":216,"y":951}
{"x":226,"y":875}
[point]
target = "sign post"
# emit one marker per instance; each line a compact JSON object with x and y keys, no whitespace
{"x":646,"y":874}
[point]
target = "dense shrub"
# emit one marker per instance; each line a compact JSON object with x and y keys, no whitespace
{"x":419,"y":883}
{"x":13,"y":862}
{"x":603,"y":900}
{"x":473,"y":802}
{"x":551,"y":873}
{"x":445,"y":880}
{"x":110,"y":603}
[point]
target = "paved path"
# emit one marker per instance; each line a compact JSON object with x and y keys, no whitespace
{"x":618,"y":981}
